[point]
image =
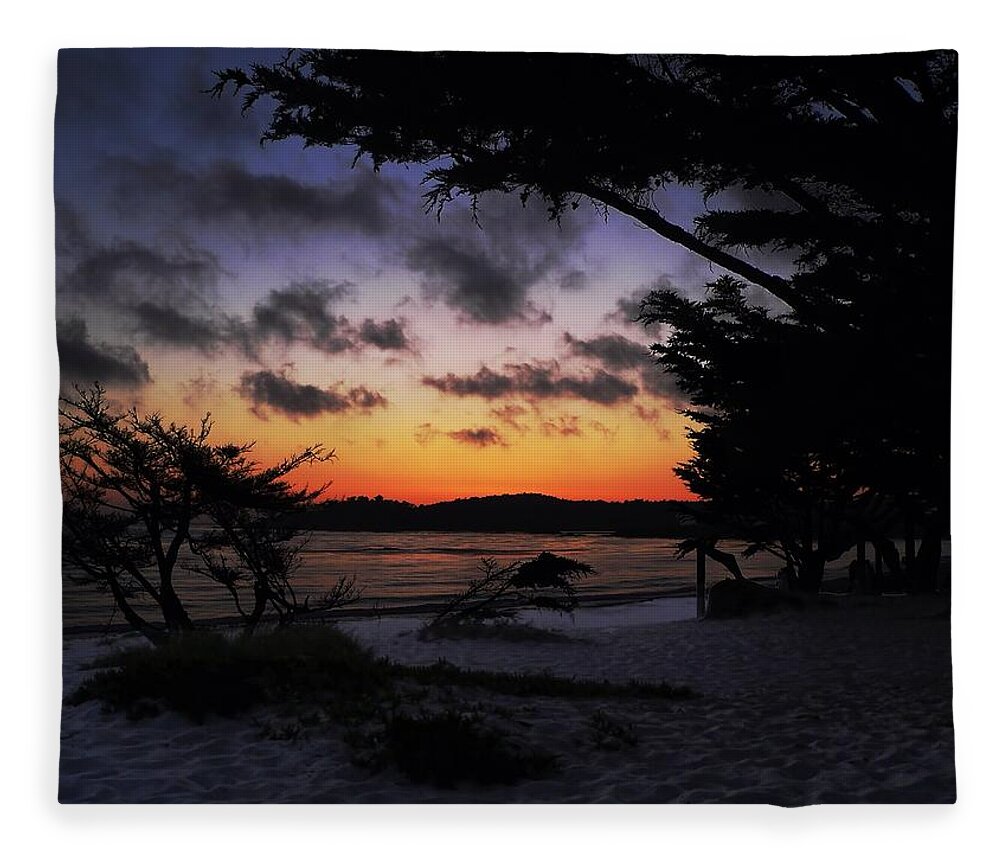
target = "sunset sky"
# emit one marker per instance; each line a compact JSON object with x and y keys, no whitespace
{"x":299,"y":300}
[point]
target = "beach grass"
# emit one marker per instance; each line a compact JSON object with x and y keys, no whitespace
{"x":443,"y":673}
{"x":209,"y":673}
{"x":199,"y":674}
{"x":448,"y":747}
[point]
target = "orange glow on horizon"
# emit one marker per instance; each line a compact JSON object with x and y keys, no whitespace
{"x":416,"y":449}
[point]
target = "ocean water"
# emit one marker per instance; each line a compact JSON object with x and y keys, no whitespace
{"x":396,"y":569}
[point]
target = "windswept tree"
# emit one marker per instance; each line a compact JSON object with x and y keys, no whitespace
{"x":253,"y":554}
{"x":141,"y":495}
{"x":547,"y":581}
{"x":844,"y":167}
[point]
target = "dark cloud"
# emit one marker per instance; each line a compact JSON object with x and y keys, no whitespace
{"x":269,"y":204}
{"x":85,"y":362}
{"x":469,"y":281}
{"x":127,"y":271}
{"x":277,"y":391}
{"x":72,"y":236}
{"x":620,"y":354}
{"x":485,"y":383}
{"x":165,"y":324}
{"x":612,"y":350}
{"x":389,"y":334}
{"x":658,"y":383}
{"x":264,"y":388}
{"x":301,"y":312}
{"x":574,"y":281}
{"x":486,"y":273}
{"x":627,"y":307}
{"x":365,"y":399}
{"x":480,"y":437}
{"x":535,"y":382}
{"x":626,"y":311}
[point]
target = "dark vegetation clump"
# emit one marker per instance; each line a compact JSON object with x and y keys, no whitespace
{"x":207,"y":673}
{"x":608,"y":733}
{"x":523,"y":684}
{"x":736,"y":598}
{"x":451,"y":747}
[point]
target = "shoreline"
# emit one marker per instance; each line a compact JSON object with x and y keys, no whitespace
{"x":428,"y":607}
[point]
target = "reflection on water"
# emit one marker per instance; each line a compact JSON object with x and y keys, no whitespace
{"x":408,"y":568}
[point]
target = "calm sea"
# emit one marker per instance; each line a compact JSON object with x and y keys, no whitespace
{"x":399,"y":569}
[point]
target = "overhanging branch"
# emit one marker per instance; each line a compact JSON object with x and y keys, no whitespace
{"x":773,"y":284}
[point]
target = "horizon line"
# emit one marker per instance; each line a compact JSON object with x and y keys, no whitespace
{"x":379,"y":496}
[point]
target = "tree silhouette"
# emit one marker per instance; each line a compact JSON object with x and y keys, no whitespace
{"x":772,"y":452}
{"x":808,"y":418}
{"x":547,"y":581}
{"x":845,"y":171}
{"x":139,"y":492}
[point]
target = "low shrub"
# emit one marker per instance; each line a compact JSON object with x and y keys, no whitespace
{"x":525,"y":684}
{"x":608,"y":733}
{"x":451,"y":747}
{"x":208,"y":673}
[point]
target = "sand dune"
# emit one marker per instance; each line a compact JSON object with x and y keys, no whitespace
{"x":846,"y":704}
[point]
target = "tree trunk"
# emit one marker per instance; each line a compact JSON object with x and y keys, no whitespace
{"x":887,"y":556}
{"x":259,"y":606}
{"x":138,"y":623}
{"x":726,"y":559}
{"x":810,"y":577}
{"x":910,"y":558}
{"x":700,"y":583}
{"x":878,"y":569}
{"x":174,"y":613}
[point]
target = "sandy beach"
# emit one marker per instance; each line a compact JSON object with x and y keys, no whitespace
{"x":841,"y":704}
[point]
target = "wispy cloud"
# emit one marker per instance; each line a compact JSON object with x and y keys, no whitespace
{"x":478,"y":437}
{"x":563,"y":425}
{"x":511,"y":415}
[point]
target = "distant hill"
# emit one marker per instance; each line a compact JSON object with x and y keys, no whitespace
{"x":524,"y":512}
